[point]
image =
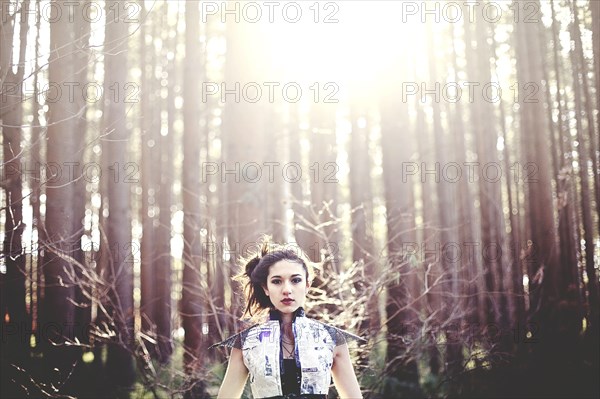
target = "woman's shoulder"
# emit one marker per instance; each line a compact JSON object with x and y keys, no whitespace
{"x":339,"y":335}
{"x":236,"y":340}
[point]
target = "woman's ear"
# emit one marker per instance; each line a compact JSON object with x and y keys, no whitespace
{"x":265,"y":289}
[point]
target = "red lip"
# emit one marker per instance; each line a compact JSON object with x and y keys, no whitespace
{"x":288,"y":301}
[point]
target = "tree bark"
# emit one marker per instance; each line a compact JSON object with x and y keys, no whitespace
{"x":13,"y":309}
{"x":324,"y":243}
{"x":149,"y":125}
{"x":302,"y":228}
{"x":470,"y":262}
{"x":361,"y":205}
{"x":119,"y":363}
{"x":191,"y":306}
{"x":541,"y":255}
{"x":83,"y":292}
{"x":492,"y":223}
{"x":448,"y":223}
{"x":482,"y":273}
{"x":165,"y":175}
{"x":402,"y":306}
{"x":563,"y":177}
{"x":579,"y":72}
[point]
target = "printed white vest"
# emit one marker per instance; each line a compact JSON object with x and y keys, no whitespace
{"x":314,"y":345}
{"x":314,"y":351}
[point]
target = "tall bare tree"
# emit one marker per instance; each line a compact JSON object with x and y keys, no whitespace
{"x":361,"y":204}
{"x":323,"y":180}
{"x":448,"y":223}
{"x":595,"y":8}
{"x":585,"y":142}
{"x":149,"y":133}
{"x":402,"y":308}
{"x":542,"y":253}
{"x":478,"y":66}
{"x":191,"y":306}
{"x":119,"y":362}
{"x":303,"y":229}
{"x":165,"y":175}
{"x":12,"y":299}
{"x":563,"y":175}
{"x":82,"y":55}
{"x":322,"y":216}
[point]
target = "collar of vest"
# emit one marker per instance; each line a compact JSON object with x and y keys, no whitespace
{"x":275,"y":314}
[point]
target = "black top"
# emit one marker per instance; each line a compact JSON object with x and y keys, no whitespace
{"x":290,"y":378}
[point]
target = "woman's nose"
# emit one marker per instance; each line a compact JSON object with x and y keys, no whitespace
{"x":287,"y":287}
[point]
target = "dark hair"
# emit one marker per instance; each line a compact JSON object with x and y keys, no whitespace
{"x":256,"y":271}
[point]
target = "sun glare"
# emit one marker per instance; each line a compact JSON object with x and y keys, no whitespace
{"x":354,"y":43}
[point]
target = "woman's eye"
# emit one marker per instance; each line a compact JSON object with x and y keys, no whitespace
{"x":297,"y":280}
{"x":275,"y":281}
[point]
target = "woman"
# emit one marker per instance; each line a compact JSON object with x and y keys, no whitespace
{"x":289,"y":355}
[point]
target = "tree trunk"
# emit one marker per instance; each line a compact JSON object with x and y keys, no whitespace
{"x":323,"y":221}
{"x":589,"y":110}
{"x":149,"y":127}
{"x":513,"y":277}
{"x":215,"y":222}
{"x":274,"y":212}
{"x":15,"y":349}
{"x":541,"y":256}
{"x":63,"y":260}
{"x":402,"y":306}
{"x":36,"y":159}
{"x":83,"y":292}
{"x":595,"y":7}
{"x":579,"y":70}
{"x":119,"y":363}
{"x":191,"y":305}
{"x":470,"y":261}
{"x":492,"y":236}
{"x":448,"y":223}
{"x":302,"y":228}
{"x":361,"y":205}
{"x":568,"y":244}
{"x":482,"y":273}
{"x":164,"y":174}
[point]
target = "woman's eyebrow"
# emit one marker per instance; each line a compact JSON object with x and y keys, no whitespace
{"x":293,"y":275}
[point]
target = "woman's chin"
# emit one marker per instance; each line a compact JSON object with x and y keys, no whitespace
{"x":291,"y":308}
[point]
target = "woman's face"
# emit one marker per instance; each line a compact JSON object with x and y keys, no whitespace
{"x":287,"y":286}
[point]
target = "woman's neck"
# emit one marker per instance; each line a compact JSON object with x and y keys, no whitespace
{"x":286,"y":327}
{"x":286,"y":318}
